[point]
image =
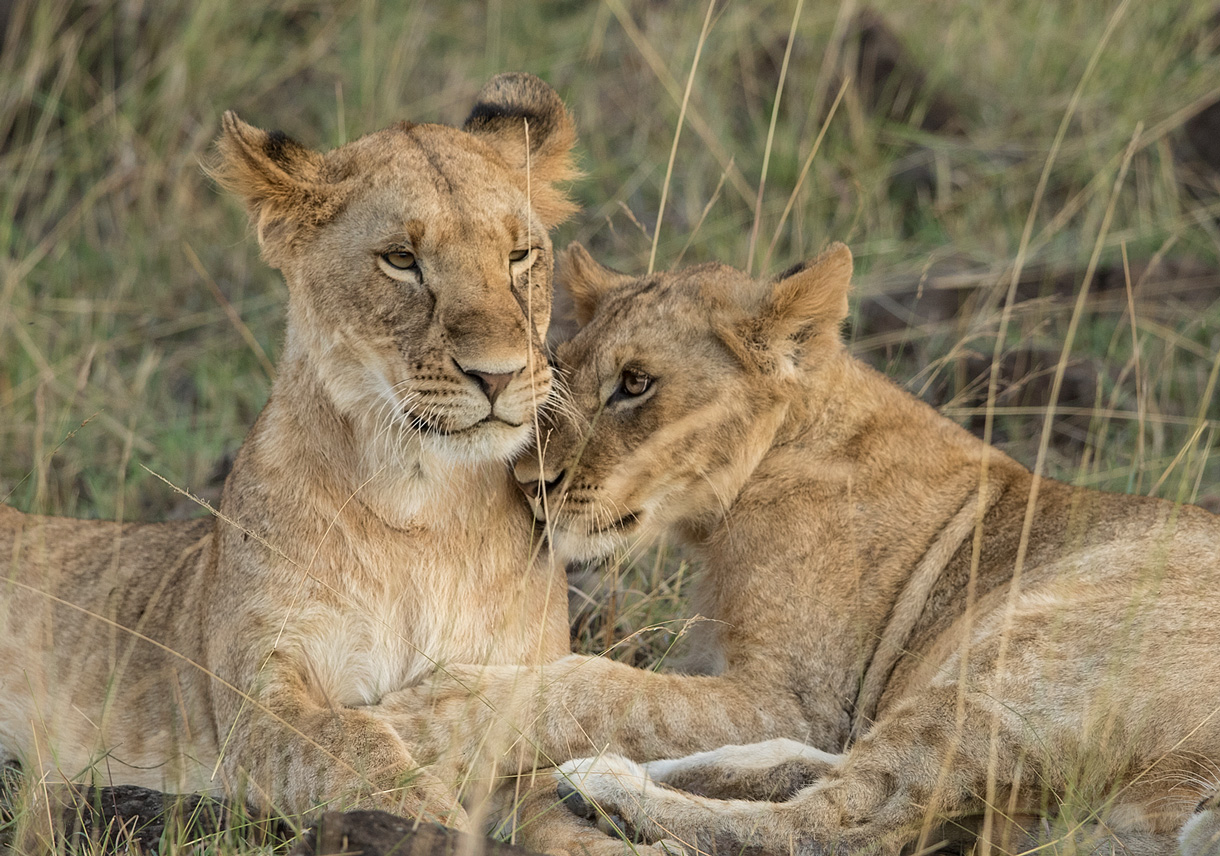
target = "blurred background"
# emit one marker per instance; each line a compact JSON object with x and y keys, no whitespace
{"x":997,"y":166}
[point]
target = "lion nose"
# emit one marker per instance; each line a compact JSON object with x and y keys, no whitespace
{"x":535,"y":488}
{"x":533,"y":478}
{"x":492,"y":383}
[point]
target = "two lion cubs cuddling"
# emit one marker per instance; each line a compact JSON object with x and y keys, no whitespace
{"x":884,"y":584}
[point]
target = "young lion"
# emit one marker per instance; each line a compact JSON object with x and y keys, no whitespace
{"x":369,"y":529}
{"x":977,"y":640}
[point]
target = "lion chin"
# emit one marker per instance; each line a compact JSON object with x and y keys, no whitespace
{"x":486,"y":440}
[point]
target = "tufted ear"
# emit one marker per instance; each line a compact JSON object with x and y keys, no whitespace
{"x":802,"y":303}
{"x":584,"y":280}
{"x":277,"y":177}
{"x":811,"y":297}
{"x":524,"y":120}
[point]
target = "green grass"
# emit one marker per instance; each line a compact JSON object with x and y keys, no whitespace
{"x":119,"y":353}
{"x":135,"y":313}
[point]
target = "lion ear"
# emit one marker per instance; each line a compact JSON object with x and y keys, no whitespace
{"x":798,"y":306}
{"x":277,"y":177}
{"x":584,"y":280}
{"x":524,"y":120}
{"x":810,"y":298}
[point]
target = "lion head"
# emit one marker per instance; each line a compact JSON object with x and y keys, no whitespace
{"x":676,"y":385}
{"x":418,"y":265}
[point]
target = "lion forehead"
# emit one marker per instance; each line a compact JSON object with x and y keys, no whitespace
{"x":663,"y":323}
{"x":448,"y":212}
{"x":422,"y":157}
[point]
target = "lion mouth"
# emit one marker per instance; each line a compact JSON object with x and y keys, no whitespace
{"x":554,"y":515}
{"x":425,"y":426}
{"x":626,"y":521}
{"x":618,"y":525}
{"x":493,"y":418}
{"x":578,"y":540}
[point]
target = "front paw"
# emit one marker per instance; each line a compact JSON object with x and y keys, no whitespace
{"x":445,"y":712}
{"x":605,"y":776}
{"x":595,"y":788}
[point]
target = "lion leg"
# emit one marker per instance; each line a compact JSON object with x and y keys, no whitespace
{"x":296,"y":753}
{"x":617,"y":794}
{"x":895,"y":785}
{"x":773,"y":770}
{"x":541,"y":821}
{"x":580,"y":705}
{"x":344,"y":758}
{"x":821,"y":819}
{"x":919,"y":777}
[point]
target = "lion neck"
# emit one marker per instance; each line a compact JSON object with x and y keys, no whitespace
{"x":906,"y":467}
{"x":346,"y":452}
{"x":871,"y":478}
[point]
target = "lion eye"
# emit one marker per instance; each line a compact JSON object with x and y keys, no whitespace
{"x":634,"y":383}
{"x":399,"y":259}
{"x":518,"y":256}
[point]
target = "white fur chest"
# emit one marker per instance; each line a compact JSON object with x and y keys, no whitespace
{"x":404,"y":605}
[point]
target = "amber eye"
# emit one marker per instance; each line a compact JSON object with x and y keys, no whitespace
{"x":518,"y":256}
{"x":400,"y":259}
{"x":634,"y":383}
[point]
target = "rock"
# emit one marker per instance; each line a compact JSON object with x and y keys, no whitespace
{"x":378,"y":833}
{"x":129,"y":819}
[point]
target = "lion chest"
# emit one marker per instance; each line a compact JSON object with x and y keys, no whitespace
{"x":402,"y":612}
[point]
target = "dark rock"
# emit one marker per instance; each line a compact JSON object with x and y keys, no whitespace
{"x":126,"y":816}
{"x":378,"y":833}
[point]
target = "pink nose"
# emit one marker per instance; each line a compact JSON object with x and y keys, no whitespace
{"x":492,"y":383}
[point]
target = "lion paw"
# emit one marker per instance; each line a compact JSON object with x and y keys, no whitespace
{"x":592,"y":788}
{"x":606,"y":779}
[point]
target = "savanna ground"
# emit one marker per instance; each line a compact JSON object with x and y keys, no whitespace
{"x":1030,"y":190}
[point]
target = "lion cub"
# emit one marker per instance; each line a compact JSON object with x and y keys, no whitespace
{"x":370,"y":527}
{"x":884,"y":585}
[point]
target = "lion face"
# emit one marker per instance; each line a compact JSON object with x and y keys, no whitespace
{"x":675,"y":387}
{"x":429,"y":296}
{"x":419,"y":266}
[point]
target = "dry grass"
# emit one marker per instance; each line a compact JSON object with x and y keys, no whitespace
{"x":136,"y":322}
{"x":137,"y":319}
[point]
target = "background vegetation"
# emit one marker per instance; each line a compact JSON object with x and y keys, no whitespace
{"x":1025,"y":163}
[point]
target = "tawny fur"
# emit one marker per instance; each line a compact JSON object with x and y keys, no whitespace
{"x":882,"y":583}
{"x":369,"y":530}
